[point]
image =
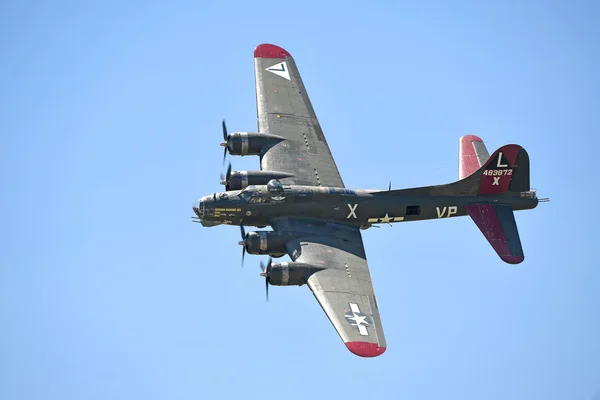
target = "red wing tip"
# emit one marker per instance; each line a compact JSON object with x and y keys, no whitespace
{"x":365,"y":349}
{"x":471,"y":138}
{"x":512,"y":259}
{"x":267,"y":50}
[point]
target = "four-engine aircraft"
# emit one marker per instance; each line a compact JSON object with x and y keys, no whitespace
{"x":316,"y":220}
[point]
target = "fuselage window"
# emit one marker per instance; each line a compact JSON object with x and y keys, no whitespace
{"x":413,"y":210}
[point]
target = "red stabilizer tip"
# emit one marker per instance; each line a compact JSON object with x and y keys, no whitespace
{"x":267,"y":50}
{"x":365,"y":349}
{"x":513,"y":259}
{"x":471,"y":138}
{"x":467,"y":162}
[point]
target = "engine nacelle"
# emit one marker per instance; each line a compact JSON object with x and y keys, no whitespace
{"x":239,"y":180}
{"x":267,"y":242}
{"x":250,"y":143}
{"x":290,"y":273}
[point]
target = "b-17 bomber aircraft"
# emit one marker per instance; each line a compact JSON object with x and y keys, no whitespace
{"x":316,"y":220}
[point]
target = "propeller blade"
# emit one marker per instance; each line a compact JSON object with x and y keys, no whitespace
{"x":224,"y":131}
{"x":267,"y":287}
{"x":269,"y":266}
{"x":390,"y":187}
{"x":227,"y":177}
{"x":225,"y":141}
{"x":266,"y":273}
{"x":243,"y":243}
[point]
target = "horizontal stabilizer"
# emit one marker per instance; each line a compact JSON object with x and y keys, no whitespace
{"x":472,"y":154}
{"x":497,"y":223}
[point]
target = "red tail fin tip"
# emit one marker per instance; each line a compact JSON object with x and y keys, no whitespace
{"x":471,"y":155}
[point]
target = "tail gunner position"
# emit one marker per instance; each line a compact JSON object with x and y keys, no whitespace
{"x":316,"y":220}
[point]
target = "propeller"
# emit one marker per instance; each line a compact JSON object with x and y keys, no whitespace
{"x":225,"y":140}
{"x":225,"y":180}
{"x":243,"y":243}
{"x":266,"y":272}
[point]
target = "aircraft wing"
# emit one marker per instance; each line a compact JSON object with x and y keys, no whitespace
{"x":284,"y":109}
{"x":343,"y":288}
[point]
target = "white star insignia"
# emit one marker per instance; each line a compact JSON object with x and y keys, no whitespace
{"x":386,"y":219}
{"x":359,"y":320}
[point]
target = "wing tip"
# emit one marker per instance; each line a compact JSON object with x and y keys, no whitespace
{"x":365,"y":349}
{"x":267,"y":50}
{"x":512,"y":259}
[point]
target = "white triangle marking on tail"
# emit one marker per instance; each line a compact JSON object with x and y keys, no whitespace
{"x":280,"y":69}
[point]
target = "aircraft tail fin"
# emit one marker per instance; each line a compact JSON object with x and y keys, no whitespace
{"x":472,"y":154}
{"x":498,"y":225}
{"x":507,"y":170}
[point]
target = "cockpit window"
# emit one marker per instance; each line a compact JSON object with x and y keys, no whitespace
{"x":257,"y":198}
{"x":245,"y":195}
{"x":252,"y":196}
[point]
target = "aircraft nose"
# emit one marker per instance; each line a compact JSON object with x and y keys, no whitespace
{"x":199,"y":209}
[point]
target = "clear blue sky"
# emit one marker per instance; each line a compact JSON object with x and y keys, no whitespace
{"x":110,"y":118}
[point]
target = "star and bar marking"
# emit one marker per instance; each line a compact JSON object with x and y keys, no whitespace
{"x":356,"y":318}
{"x":386,"y":219}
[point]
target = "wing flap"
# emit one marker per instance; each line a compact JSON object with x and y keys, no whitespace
{"x":498,"y":225}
